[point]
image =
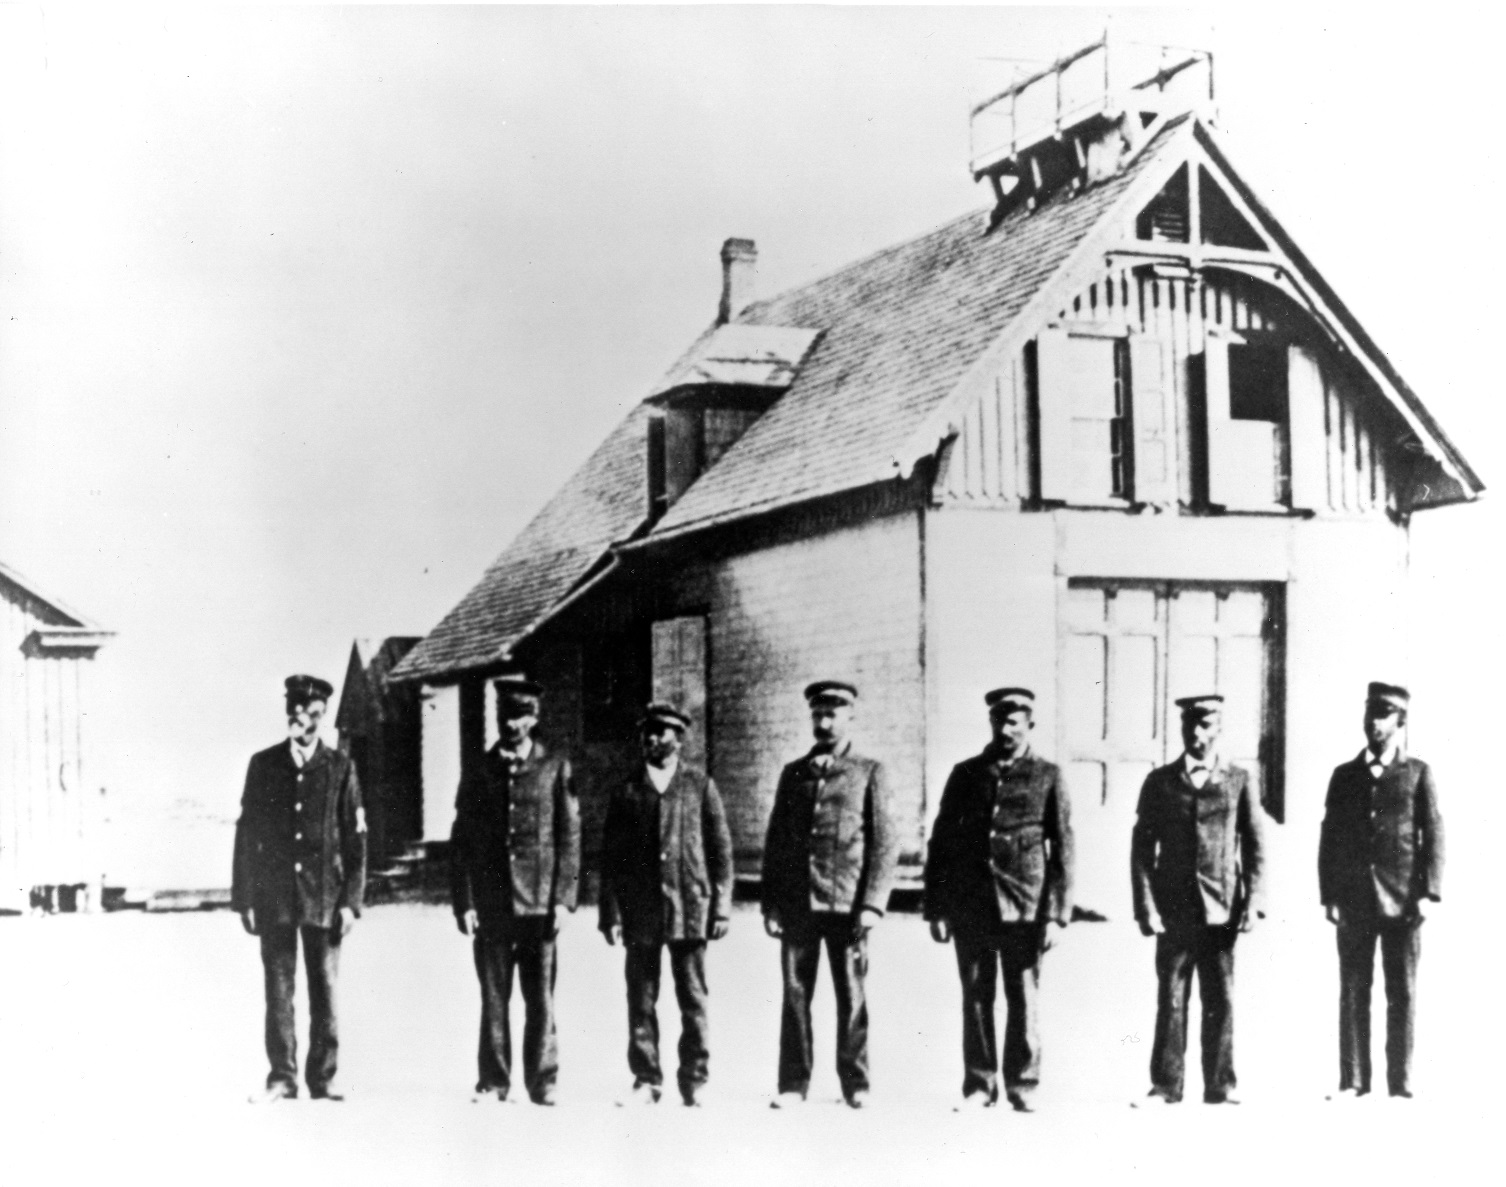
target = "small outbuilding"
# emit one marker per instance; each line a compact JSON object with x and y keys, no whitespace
{"x":379,"y":726}
{"x":1112,"y":437}
{"x":50,"y":814}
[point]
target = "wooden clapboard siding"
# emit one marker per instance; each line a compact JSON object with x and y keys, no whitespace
{"x":47,"y":813}
{"x":989,"y":463}
{"x":845,"y":604}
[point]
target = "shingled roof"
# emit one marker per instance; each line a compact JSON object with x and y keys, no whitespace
{"x":899,"y":329}
{"x":602,"y":503}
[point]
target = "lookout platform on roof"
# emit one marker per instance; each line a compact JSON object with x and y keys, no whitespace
{"x":1084,"y":116}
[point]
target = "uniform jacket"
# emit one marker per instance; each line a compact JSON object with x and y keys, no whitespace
{"x":515,"y":845}
{"x":1196,"y":856}
{"x":1001,"y":847}
{"x":300,"y":843}
{"x":666,"y":863}
{"x":1381,"y":847}
{"x":831,"y":844}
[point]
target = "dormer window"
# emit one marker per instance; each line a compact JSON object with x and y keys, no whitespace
{"x":689,"y":437}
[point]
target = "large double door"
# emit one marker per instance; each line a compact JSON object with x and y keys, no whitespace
{"x":1129,"y":649}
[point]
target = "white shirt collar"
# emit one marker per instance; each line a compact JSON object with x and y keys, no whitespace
{"x":521,"y":753}
{"x":1385,"y":759}
{"x":1209,"y":764}
{"x":662,"y":777}
{"x":302,"y":755}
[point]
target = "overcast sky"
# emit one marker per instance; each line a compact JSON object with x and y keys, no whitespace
{"x":306,"y":311}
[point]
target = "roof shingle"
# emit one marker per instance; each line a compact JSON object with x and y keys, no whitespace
{"x":898,"y":331}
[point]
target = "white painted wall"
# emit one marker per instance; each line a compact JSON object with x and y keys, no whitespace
{"x":992,"y":579}
{"x":441,"y":759}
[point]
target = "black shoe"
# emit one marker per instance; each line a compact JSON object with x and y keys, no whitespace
{"x":857,"y":1099}
{"x":1401,"y":1094}
{"x":1221,"y":1098}
{"x":273,"y":1093}
{"x":325,"y":1094}
{"x":694,"y":1095}
{"x":486,"y":1095}
{"x":1020,"y":1102}
{"x":545,"y":1097}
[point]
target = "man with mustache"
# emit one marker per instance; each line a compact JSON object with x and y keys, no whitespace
{"x":998,"y":873}
{"x":827,"y":867}
{"x":666,"y":881}
{"x":1380,"y":856}
{"x":514,"y":868}
{"x":1196,"y":864}
{"x":300,"y":873}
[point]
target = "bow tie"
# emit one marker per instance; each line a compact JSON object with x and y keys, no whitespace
{"x":823,"y":762}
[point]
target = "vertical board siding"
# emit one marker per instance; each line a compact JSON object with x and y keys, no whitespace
{"x":46,"y":816}
{"x":843,"y":605}
{"x":989,"y":464}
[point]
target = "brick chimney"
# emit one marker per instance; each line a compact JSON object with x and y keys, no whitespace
{"x":739,"y":261}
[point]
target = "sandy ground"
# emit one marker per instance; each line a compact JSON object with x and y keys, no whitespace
{"x":130,"y":1042}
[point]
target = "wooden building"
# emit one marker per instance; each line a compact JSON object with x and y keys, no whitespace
{"x":1113,"y":438}
{"x":380,"y":727}
{"x":49,"y":813}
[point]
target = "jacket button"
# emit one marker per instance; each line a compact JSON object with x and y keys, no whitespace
{"x":298,"y":867}
{"x":297,"y":836}
{"x":298,"y":806}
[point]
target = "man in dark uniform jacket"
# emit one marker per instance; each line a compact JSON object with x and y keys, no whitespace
{"x":300,"y":870}
{"x":666,"y":879}
{"x":1380,"y":854}
{"x":828,"y":862}
{"x":998,"y":872}
{"x":514,"y":867}
{"x":1196,"y":863}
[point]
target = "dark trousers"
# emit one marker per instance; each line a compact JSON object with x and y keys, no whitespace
{"x":1016,"y":948}
{"x":1209,"y":951}
{"x":529,"y":948}
{"x":321,"y":964}
{"x":800,"y":955}
{"x":1400,"y":945}
{"x":687,"y":965}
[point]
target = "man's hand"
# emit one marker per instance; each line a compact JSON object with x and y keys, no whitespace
{"x":1151,"y":927}
{"x":347,"y":921}
{"x":1331,"y":912}
{"x":1248,"y":920}
{"x":1048,"y":940}
{"x":941,"y":932}
{"x":558,"y":919}
{"x":772,"y":925}
{"x":612,"y":935}
{"x":867,"y":917}
{"x":467,"y":923}
{"x":248,"y":921}
{"x":719,"y":929}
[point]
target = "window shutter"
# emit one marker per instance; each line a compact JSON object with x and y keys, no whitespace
{"x":1306,"y":429}
{"x":1149,"y":386}
{"x":679,"y":676}
{"x":1229,"y":466}
{"x":1054,"y":402}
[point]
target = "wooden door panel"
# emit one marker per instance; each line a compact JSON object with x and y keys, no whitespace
{"x":1129,"y":649}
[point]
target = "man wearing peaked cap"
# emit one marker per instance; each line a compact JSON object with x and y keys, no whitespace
{"x":1380,"y":856}
{"x":998,"y":873}
{"x":828,"y":863}
{"x":666,"y":881}
{"x":300,"y":872}
{"x":514,"y":869}
{"x":1196,"y":865}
